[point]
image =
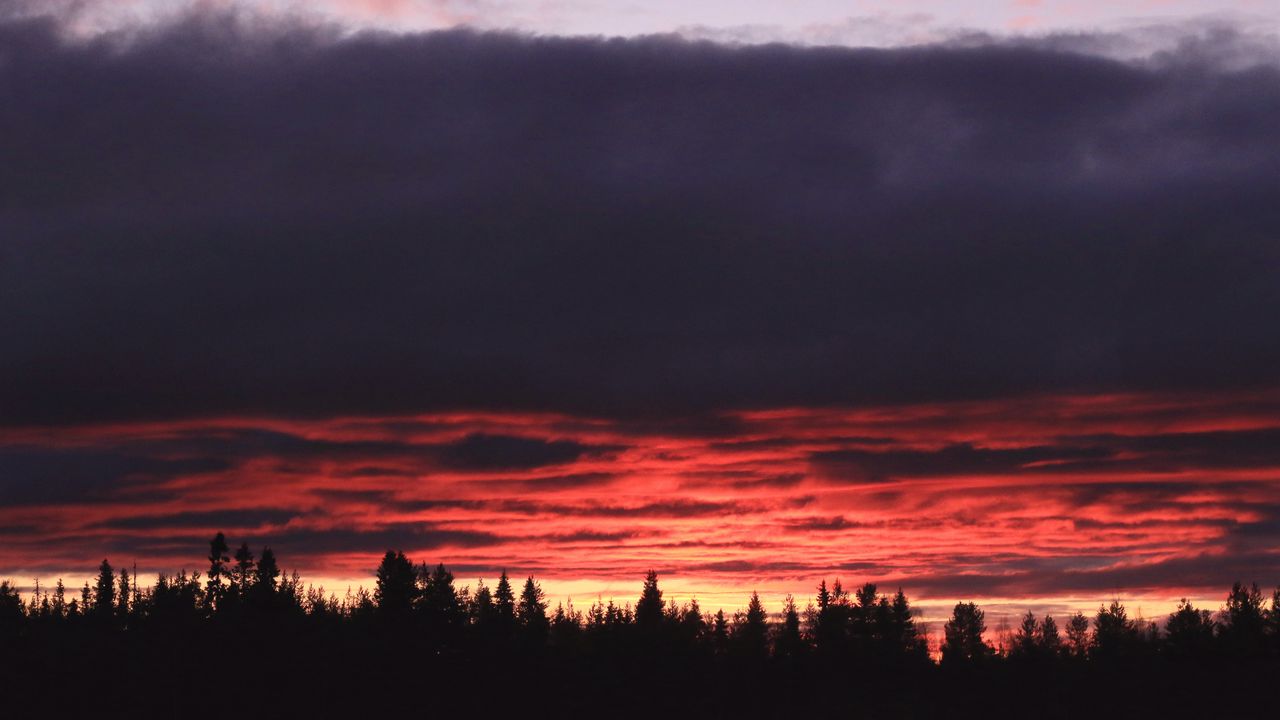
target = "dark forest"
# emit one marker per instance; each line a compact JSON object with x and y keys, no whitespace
{"x":242,"y":638}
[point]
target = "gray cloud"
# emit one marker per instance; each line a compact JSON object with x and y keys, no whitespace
{"x":213,"y":218}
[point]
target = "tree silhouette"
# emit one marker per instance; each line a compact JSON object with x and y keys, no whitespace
{"x":438,"y":600}
{"x":214,"y":589}
{"x":1189,"y":632}
{"x":901,"y":635}
{"x":1026,"y":641}
{"x":1078,"y":641}
{"x":1114,"y":634}
{"x":1049,"y":640}
{"x":1244,"y":619}
{"x":275,"y":636}
{"x":242,"y":573}
{"x":268,"y":572}
{"x":504,"y":604}
{"x":789,"y":643}
{"x":649,"y":606}
{"x":720,"y":633}
{"x":481,"y":610}
{"x":963,"y":643}
{"x":11,"y":613}
{"x":532,"y":612}
{"x":104,"y":594}
{"x":396,"y":586}
{"x":123,"y":596}
{"x":751,"y":629}
{"x":60,"y":600}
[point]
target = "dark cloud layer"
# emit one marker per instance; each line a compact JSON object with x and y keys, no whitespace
{"x":207,"y":218}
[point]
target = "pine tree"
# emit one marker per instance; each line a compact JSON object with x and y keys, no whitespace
{"x":1114,"y":634}
{"x":439,"y":603}
{"x":396,"y":587}
{"x":480,"y":609}
{"x":789,"y":642}
{"x":532,"y":611}
{"x":1026,"y":642}
{"x":903,"y":636}
{"x":60,"y":600}
{"x":504,"y":603}
{"x":1078,"y":642}
{"x":123,"y":597}
{"x":751,"y":629}
{"x":268,"y":572}
{"x":1188,"y":631}
{"x":1050,"y":642}
{"x":649,"y":606}
{"x":242,"y":574}
{"x":1244,"y":619}
{"x":104,"y":596}
{"x":963,"y":642}
{"x":218,"y":559}
{"x":720,"y":633}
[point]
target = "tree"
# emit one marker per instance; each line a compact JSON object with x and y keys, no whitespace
{"x":1026,"y":642}
{"x":1049,"y":640}
{"x":751,"y":629}
{"x":104,"y":595}
{"x":532,"y":611}
{"x":649,"y":606}
{"x":963,"y":643}
{"x":268,"y":572}
{"x":1114,"y":634}
{"x":242,"y":574}
{"x":396,"y":586}
{"x":720,"y":633}
{"x":1243,"y":619}
{"x":789,"y":642}
{"x":214,"y":588}
{"x":11,"y":613}
{"x":122,"y":598}
{"x":504,"y":603}
{"x":831,"y":624}
{"x":438,"y":600}
{"x":1078,"y":641}
{"x":1189,"y":632}
{"x":60,"y":600}
{"x":901,"y":633}
{"x":480,"y":609}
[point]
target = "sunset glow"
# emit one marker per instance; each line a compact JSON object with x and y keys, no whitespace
{"x":1051,"y":501}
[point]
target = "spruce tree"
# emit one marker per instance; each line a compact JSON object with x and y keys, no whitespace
{"x":242,"y":574}
{"x":963,"y":641}
{"x":504,"y":603}
{"x":123,"y":597}
{"x":532,"y":612}
{"x":218,"y":559}
{"x":104,"y":595}
{"x":396,"y":587}
{"x":649,"y":606}
{"x":789,"y":642}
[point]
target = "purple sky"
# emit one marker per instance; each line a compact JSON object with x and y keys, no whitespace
{"x":847,"y":22}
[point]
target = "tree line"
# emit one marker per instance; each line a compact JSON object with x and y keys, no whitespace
{"x":422,"y":604}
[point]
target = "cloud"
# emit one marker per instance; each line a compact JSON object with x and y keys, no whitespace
{"x":216,"y":520}
{"x":36,"y":476}
{"x":281,"y":219}
{"x":498,"y":452}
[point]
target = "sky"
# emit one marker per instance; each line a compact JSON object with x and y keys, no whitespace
{"x":986,"y":311}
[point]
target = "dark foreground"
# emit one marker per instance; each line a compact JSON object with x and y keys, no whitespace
{"x":242,"y":640}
